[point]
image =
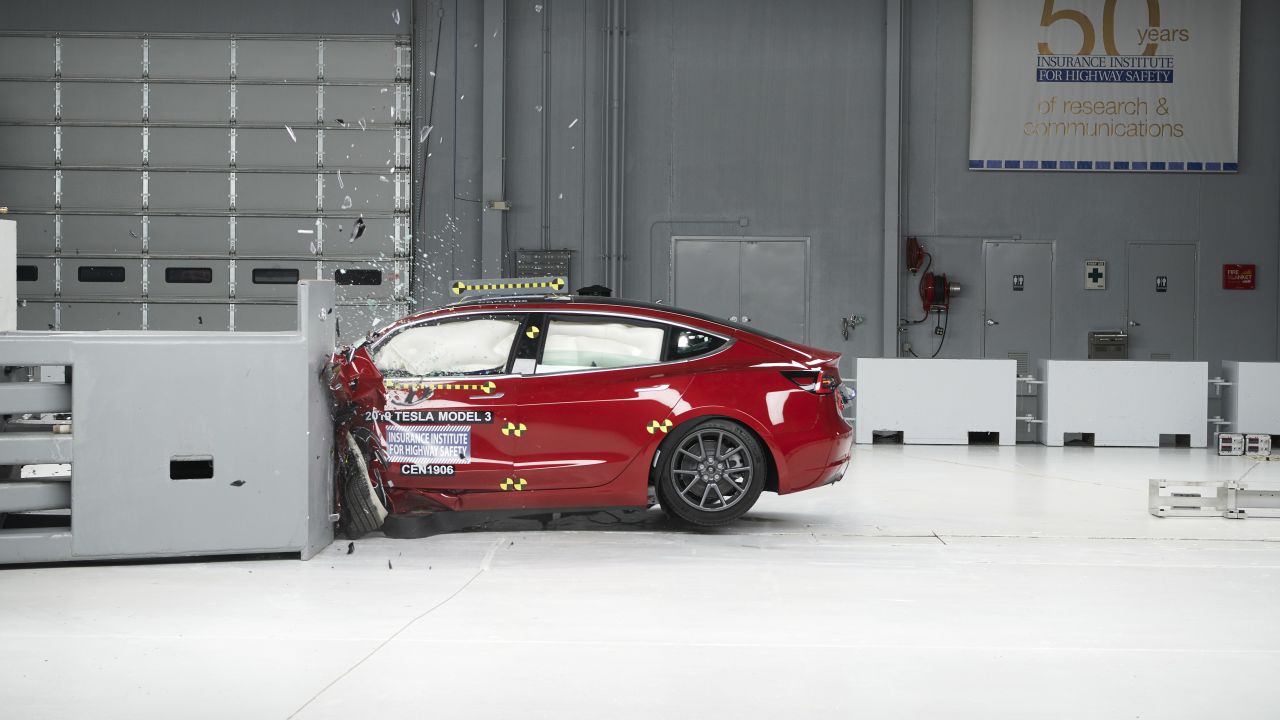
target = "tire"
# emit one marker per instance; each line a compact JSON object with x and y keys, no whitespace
{"x":363,"y":510}
{"x":699,"y":491}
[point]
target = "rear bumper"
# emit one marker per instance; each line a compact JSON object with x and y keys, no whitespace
{"x":833,"y":451}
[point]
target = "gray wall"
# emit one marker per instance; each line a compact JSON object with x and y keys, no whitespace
{"x":768,"y":119}
{"x":1230,"y":218}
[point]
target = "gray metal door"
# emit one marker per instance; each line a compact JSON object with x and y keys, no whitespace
{"x":706,"y":276}
{"x":1162,"y":301}
{"x":762,"y":282}
{"x":188,"y":182}
{"x":773,"y":282}
{"x":1018,"y":315}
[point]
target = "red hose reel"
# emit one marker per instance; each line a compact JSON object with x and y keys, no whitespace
{"x":935,"y":292}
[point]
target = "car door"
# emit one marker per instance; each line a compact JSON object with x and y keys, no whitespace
{"x":596,"y":396}
{"x":449,"y":387}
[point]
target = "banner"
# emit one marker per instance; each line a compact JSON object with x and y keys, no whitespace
{"x":1111,"y":85}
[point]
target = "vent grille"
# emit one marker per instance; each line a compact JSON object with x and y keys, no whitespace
{"x":1024,"y":362}
{"x":1161,"y":356}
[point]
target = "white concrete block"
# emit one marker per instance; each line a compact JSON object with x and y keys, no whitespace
{"x":936,"y":402}
{"x":1252,"y":402}
{"x":1124,"y":402}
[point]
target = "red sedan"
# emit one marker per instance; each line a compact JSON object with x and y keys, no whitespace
{"x":501,"y":407}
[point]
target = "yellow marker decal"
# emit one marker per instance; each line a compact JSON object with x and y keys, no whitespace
{"x":655,"y":426}
{"x":532,"y":332}
{"x":512,"y":484}
{"x":513,"y":429}
{"x":460,"y":287}
{"x":485,"y":388}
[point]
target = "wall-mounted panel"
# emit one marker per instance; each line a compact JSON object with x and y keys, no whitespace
{"x":190,"y":58}
{"x":84,"y":57}
{"x":101,"y":146}
{"x":26,"y":145}
{"x":190,"y":147}
{"x":205,"y":103}
{"x":176,"y":191}
{"x":102,"y":234}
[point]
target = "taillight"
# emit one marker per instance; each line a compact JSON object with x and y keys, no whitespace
{"x":814,"y":381}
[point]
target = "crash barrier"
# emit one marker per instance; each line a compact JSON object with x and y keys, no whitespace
{"x":1124,"y":402}
{"x":1095,"y":402}
{"x":179,"y":443}
{"x":1249,"y":397}
{"x":936,"y":402}
{"x":1230,"y":499}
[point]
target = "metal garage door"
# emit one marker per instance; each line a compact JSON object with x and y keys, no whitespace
{"x":188,"y":182}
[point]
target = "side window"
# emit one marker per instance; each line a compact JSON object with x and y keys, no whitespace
{"x":467,"y":346}
{"x":582,"y":344}
{"x":683,"y":344}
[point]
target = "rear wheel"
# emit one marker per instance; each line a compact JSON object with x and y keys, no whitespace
{"x":711,"y":473}
{"x":363,"y":509}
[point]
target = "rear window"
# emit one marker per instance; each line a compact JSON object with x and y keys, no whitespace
{"x":684,"y":343}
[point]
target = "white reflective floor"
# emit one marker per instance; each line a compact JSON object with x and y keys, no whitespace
{"x":934,"y":582}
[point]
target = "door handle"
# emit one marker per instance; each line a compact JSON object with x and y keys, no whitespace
{"x":491,"y":396}
{"x":992,"y":322}
{"x":655,"y":388}
{"x":1134,"y":323}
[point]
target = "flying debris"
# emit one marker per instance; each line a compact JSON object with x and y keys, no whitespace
{"x":426,"y":132}
{"x":357,"y":229}
{"x":291,"y":135}
{"x":395,"y":15}
{"x":347,"y":203}
{"x":575,"y":122}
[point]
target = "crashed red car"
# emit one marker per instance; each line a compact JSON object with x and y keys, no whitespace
{"x":513,"y":406}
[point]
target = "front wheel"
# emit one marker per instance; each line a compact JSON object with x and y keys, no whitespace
{"x":363,"y":510}
{"x":710,"y":474}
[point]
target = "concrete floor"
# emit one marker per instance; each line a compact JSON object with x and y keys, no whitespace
{"x":934,"y":582}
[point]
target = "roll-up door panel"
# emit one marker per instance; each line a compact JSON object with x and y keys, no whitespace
{"x":27,"y":57}
{"x":38,"y":277}
{"x":101,"y":102}
{"x":353,"y":148}
{"x":104,"y":234}
{"x":172,"y":102}
{"x":28,"y":189}
{"x":355,"y":60}
{"x":101,"y":146}
{"x":190,"y":147}
{"x":114,"y":189}
{"x":37,"y":234}
{"x":261,"y":318}
{"x":377,"y":240}
{"x":21,"y":145}
{"x":277,"y":59}
{"x":353,"y":103}
{"x":263,"y":279}
{"x":188,"y":58}
{"x":26,"y":101}
{"x":188,"y":316}
{"x":209,"y":236}
{"x":101,"y":57}
{"x":36,"y":316}
{"x":101,"y":278}
{"x":189,"y":278}
{"x":275,"y":191}
{"x":177,"y":191}
{"x":258,"y":236}
{"x":293,"y":105}
{"x":275,"y":149}
{"x":362,"y":280}
{"x":101,"y":316}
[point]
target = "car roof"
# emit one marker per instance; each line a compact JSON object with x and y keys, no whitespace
{"x":588,"y":300}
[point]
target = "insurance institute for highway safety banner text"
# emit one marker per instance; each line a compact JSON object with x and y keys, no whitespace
{"x":1105,"y":85}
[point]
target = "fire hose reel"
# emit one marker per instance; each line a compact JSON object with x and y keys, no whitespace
{"x":936,"y":292}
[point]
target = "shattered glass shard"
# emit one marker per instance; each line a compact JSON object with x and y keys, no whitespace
{"x":346,"y":204}
{"x":291,"y":135}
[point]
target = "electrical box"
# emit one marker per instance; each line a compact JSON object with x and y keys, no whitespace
{"x":1257,"y":444}
{"x":1108,"y":345}
{"x":1230,"y":444}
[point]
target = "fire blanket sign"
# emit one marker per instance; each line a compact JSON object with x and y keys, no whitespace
{"x":1100,"y":85}
{"x":421,"y":445}
{"x":1239,"y":277}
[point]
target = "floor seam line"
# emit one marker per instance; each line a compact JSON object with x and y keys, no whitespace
{"x":484,"y":566}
